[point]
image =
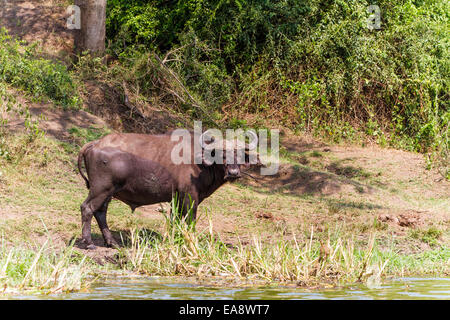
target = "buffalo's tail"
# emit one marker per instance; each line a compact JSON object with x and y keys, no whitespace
{"x":81,"y":157}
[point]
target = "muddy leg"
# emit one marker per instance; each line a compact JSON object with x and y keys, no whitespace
{"x":89,"y":206}
{"x":100,"y":216}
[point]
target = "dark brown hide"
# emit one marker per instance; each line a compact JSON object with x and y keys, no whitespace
{"x":137,"y":169}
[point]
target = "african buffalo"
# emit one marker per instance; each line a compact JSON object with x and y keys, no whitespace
{"x":137,"y":169}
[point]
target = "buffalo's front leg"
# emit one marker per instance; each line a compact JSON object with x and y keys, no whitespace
{"x":187,"y":204}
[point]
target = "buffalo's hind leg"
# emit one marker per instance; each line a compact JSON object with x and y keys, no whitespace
{"x":92,"y":204}
{"x":100,"y":216}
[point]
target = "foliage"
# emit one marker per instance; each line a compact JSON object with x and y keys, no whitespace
{"x":313,"y":65}
{"x":183,"y":251}
{"x":21,"y":67}
{"x":86,"y":135}
{"x":430,"y":236}
{"x":41,"y":270}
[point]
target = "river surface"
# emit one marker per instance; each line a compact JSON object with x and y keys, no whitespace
{"x":167,"y":288}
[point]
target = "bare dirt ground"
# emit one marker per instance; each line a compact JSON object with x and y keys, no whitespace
{"x":318,"y":185}
{"x":54,"y":121}
{"x":42,"y":21}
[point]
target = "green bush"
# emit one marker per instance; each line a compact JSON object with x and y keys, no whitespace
{"x":41,"y":78}
{"x":317,"y":61}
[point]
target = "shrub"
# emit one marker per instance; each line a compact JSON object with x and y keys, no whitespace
{"x":312,"y":65}
{"x":21,"y":67}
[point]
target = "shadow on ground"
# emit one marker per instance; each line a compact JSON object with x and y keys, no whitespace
{"x":41,"y":21}
{"x":103,"y":254}
{"x":301,"y":180}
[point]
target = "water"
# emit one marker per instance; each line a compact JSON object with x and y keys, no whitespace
{"x":167,"y":289}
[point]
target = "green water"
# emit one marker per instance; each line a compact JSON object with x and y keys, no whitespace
{"x":167,"y":288}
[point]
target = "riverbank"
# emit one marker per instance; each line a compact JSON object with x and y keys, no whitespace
{"x":333,"y":215}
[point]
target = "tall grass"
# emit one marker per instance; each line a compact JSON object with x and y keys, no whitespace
{"x":41,"y":269}
{"x":183,"y":251}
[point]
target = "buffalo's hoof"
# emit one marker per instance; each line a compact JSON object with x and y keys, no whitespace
{"x":91,"y":247}
{"x":113,"y":245}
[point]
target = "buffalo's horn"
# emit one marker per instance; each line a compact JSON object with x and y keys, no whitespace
{"x":253,"y":142}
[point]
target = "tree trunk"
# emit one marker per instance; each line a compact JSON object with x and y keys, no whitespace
{"x":91,"y":36}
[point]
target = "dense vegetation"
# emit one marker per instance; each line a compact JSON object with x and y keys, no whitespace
{"x":307,"y":65}
{"x":21,"y":67}
{"x":313,"y":65}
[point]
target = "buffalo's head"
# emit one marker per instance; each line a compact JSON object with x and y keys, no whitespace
{"x":233,"y":155}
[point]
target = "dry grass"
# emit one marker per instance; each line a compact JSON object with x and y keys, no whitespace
{"x":182,"y":251}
